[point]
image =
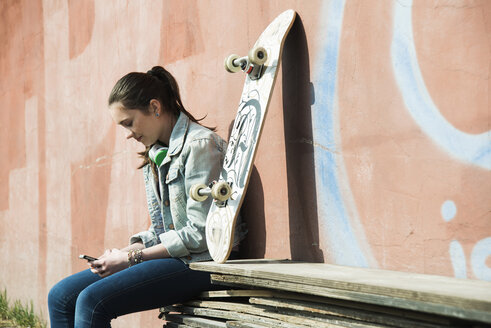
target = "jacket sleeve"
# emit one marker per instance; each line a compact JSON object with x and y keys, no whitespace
{"x":148,"y":237}
{"x":201,"y":165}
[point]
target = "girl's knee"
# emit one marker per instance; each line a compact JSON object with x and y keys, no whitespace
{"x":90,"y":301}
{"x":87,"y":299}
{"x":59,"y":297}
{"x":90,"y":308}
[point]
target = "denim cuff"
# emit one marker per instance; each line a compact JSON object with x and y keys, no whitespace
{"x":146,"y":237}
{"x":173,"y":243}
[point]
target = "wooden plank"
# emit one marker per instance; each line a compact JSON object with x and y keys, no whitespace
{"x":356,"y":296}
{"x":364,"y":307}
{"x":237,"y":293}
{"x":194,"y":321}
{"x":249,"y":309}
{"x":294,"y":318}
{"x":337,"y":311}
{"x":331,"y":320}
{"x":242,"y":324}
{"x":466,"y":294}
{"x":230,"y":315}
{"x":355,"y":307}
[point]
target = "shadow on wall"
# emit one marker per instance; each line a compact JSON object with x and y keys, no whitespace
{"x":297,"y":101}
{"x":252,"y":211}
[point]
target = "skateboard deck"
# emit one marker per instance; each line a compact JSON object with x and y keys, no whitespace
{"x":245,"y":134}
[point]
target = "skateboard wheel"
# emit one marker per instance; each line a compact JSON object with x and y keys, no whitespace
{"x":229,"y":64}
{"x":194,"y":192}
{"x":258,"y":55}
{"x":221,"y":191}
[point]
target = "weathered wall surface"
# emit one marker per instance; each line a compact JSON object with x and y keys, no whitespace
{"x":376,"y":150}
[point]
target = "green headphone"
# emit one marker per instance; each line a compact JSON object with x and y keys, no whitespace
{"x":157,"y":154}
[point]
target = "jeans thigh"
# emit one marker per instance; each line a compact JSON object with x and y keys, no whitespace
{"x":146,"y":286}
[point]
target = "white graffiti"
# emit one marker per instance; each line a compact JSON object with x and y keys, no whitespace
{"x":457,"y":256}
{"x":470,"y":148}
{"x":449,"y":210}
{"x":480,"y":253}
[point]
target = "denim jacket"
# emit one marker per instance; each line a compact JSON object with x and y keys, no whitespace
{"x":195,"y":156}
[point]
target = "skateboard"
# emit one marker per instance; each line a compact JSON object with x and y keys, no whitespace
{"x":261,"y":68}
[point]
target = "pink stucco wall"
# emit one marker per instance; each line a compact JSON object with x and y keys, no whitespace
{"x":376,"y":150}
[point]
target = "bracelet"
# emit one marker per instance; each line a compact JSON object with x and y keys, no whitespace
{"x":135,"y":257}
{"x":129,"y":258}
{"x":138,"y":256}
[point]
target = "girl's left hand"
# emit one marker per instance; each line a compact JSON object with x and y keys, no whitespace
{"x":110,"y":262}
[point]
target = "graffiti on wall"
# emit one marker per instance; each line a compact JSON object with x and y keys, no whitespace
{"x":343,"y":243}
{"x":474,"y":149}
{"x":344,"y":225}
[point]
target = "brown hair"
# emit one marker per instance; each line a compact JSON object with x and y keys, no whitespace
{"x":136,"y":89}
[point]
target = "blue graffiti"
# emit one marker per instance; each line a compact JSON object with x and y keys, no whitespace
{"x":470,"y":148}
{"x":336,"y":223}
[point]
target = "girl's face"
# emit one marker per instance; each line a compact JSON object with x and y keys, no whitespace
{"x":144,"y":127}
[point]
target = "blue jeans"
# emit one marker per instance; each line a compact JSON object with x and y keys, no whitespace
{"x":87,"y":300}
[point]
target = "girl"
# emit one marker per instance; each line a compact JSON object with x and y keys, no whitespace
{"x":153,"y":270}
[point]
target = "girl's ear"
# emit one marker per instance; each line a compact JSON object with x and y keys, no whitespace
{"x":155,"y":107}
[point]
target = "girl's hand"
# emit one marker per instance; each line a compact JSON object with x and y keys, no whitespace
{"x":110,"y":262}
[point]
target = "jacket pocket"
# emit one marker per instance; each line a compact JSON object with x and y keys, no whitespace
{"x":172,"y":174}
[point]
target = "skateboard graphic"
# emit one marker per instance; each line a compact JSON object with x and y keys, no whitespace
{"x":261,"y":68}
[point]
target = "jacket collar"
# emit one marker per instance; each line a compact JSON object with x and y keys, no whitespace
{"x":177,"y":136}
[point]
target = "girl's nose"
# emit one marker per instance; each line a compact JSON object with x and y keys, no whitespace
{"x":130,"y":135}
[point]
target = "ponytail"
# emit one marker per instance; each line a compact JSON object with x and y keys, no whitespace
{"x":169,"y":82}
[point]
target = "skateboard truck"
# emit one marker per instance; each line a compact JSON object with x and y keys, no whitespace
{"x":219,"y":191}
{"x":252,"y":64}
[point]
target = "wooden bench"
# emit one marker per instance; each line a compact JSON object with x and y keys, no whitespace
{"x":282,"y":293}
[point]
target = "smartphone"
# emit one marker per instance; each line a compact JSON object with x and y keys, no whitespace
{"x":86,"y":257}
